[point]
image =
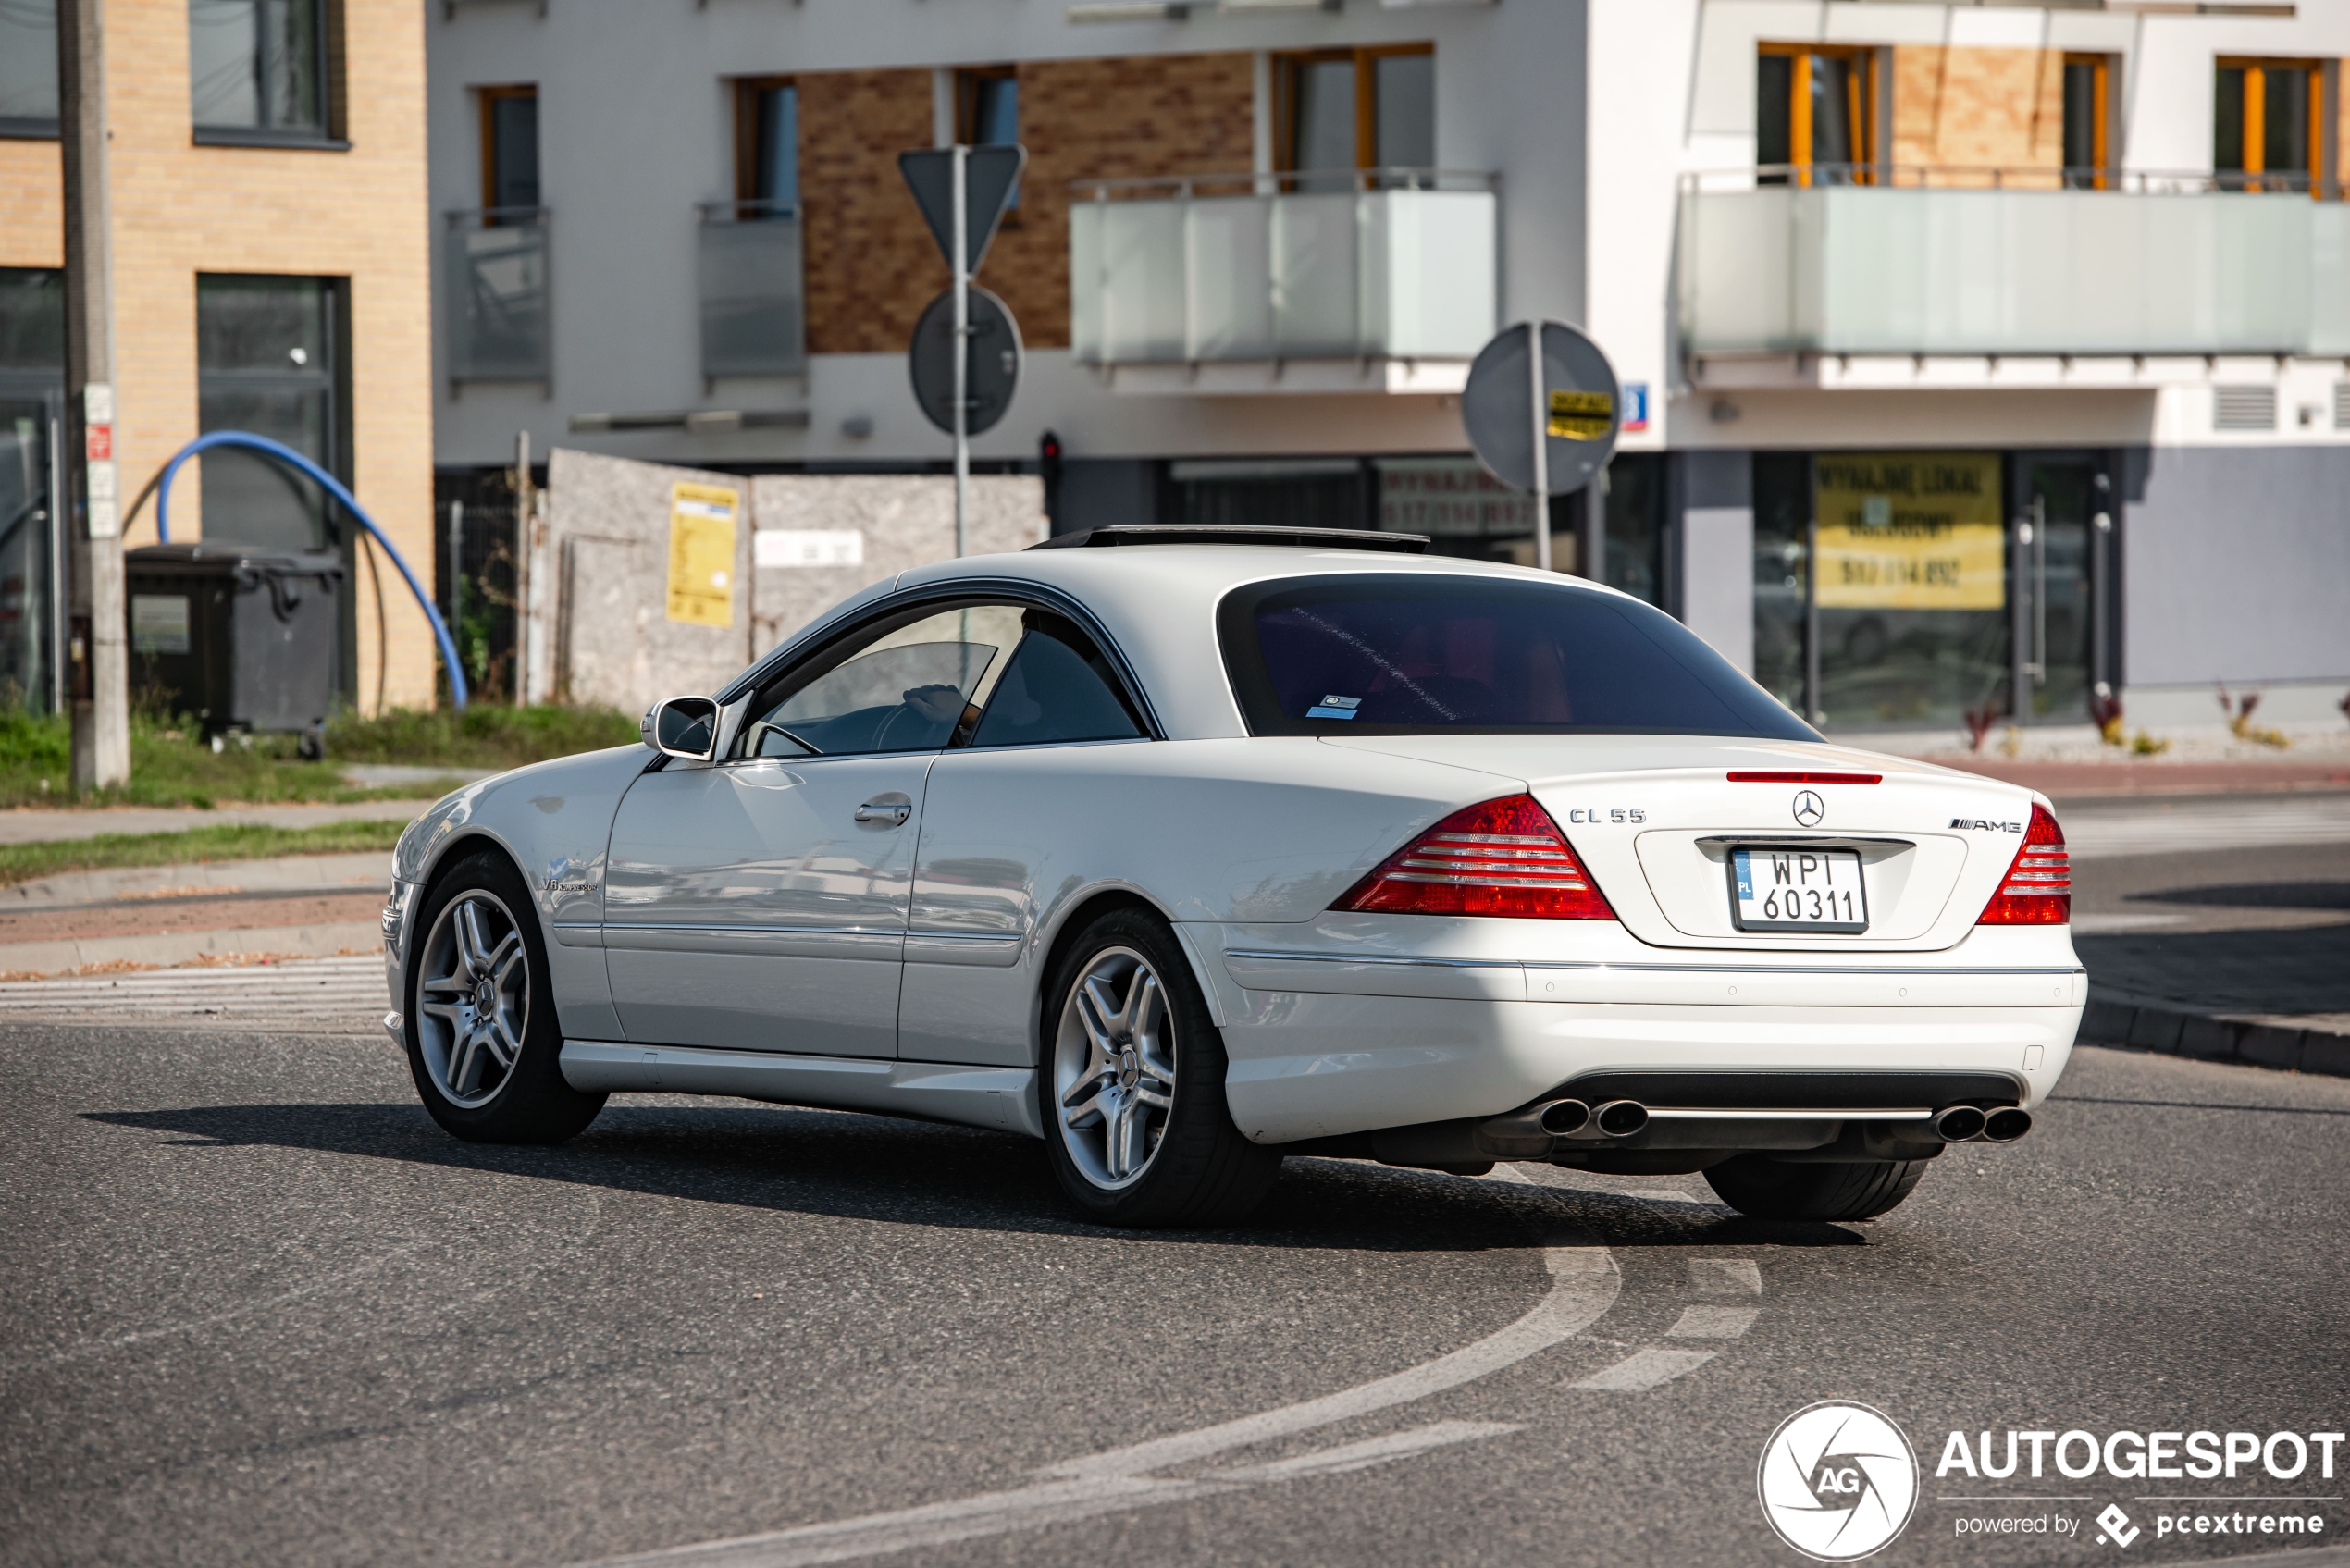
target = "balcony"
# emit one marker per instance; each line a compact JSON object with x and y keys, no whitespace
{"x":753,"y":302}
{"x":494,"y":287}
{"x":1255,"y":283}
{"x":1922,"y":265}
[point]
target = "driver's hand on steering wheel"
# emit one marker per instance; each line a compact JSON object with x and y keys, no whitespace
{"x":940,"y":704}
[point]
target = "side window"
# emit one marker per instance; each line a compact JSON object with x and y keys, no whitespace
{"x":1057,"y":687}
{"x":905,"y":689}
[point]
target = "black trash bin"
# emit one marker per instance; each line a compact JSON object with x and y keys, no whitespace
{"x":241,"y":636}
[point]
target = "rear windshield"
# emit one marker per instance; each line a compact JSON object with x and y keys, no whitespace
{"x":1400,"y":654}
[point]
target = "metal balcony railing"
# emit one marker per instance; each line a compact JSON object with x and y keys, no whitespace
{"x":754,"y":318}
{"x":494,"y":289}
{"x":1363,"y":265}
{"x":1896,"y":260}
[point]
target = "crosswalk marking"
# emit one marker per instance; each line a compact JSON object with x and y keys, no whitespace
{"x":339,"y":995}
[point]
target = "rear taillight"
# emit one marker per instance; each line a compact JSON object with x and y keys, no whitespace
{"x":2039,"y":889}
{"x":1504,"y":857}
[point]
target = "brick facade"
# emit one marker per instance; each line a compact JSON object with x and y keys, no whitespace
{"x":1110,"y":118}
{"x":871,"y":265}
{"x":182,"y":209}
{"x":1978,"y":108}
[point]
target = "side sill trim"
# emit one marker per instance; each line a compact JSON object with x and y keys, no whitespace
{"x":1269,"y":956}
{"x":998,"y":1098}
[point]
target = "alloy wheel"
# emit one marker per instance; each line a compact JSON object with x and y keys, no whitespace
{"x":473,"y":998}
{"x":1114,"y":1068}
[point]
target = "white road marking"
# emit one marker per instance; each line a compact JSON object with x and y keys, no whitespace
{"x":1726,"y":1277}
{"x":1584,"y":1284}
{"x":1645,"y":1369}
{"x":1713,"y":1322}
{"x":311,"y":996}
{"x":1373,"y":1450}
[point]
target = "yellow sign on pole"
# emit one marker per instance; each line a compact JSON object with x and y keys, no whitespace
{"x":1909,"y":531}
{"x":1581,"y":416}
{"x":701,"y":554}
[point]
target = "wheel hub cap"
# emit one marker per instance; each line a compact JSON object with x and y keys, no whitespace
{"x":1114,"y":1068}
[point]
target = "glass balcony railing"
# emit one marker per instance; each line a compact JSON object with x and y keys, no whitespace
{"x":753,"y":300}
{"x":494,"y":289}
{"x":2039,"y":262}
{"x":1380,"y":264}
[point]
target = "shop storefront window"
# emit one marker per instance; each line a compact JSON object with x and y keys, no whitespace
{"x":1782,"y":519}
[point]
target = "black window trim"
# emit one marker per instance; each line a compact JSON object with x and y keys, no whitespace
{"x":823,"y":642}
{"x":1260,"y":706}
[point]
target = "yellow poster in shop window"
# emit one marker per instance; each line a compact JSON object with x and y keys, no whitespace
{"x":1909,"y":531}
{"x":701,"y":554}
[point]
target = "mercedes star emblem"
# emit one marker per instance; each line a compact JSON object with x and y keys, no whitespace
{"x":1809,"y":809}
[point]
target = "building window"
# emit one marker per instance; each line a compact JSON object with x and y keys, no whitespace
{"x":258,"y":70}
{"x":1815,"y":114}
{"x":767,"y":147}
{"x":2265,"y":130}
{"x":2088,"y":121}
{"x":510,"y":151}
{"x":27,"y":68}
{"x":33,"y":321}
{"x":1338,"y":111}
{"x":269,"y":360}
{"x":987,"y":110}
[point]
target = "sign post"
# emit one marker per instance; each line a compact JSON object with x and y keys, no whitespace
{"x":1541,"y":409}
{"x":963,"y":192}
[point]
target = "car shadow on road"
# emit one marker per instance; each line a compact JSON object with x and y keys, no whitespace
{"x":886,"y":1170}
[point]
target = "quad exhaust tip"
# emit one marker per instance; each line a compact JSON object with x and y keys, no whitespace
{"x":1958,"y":1124}
{"x":1592,"y":1124}
{"x":1621,"y":1119}
{"x":2006,"y":1124}
{"x":1564,"y":1118}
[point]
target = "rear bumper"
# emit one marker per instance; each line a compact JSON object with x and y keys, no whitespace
{"x":1324,"y":1044}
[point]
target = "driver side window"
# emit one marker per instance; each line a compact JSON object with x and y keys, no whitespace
{"x":905,"y":689}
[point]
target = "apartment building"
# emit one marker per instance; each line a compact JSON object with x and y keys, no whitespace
{"x":271,"y":273}
{"x":1976,"y":359}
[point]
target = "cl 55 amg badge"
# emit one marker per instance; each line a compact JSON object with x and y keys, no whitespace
{"x":1986,"y":827}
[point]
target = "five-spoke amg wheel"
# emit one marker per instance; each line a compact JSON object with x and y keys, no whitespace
{"x":482,"y":1042}
{"x":1132,"y":1087}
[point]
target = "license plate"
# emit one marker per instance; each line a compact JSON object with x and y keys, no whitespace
{"x":1798,"y":890}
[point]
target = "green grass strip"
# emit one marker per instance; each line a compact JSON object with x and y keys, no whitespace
{"x":230,"y":841}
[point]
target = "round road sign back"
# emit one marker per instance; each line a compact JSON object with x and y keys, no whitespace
{"x":994,"y":361}
{"x":1582,"y":407}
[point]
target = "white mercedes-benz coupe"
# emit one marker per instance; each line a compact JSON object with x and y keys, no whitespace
{"x":1186,"y":849}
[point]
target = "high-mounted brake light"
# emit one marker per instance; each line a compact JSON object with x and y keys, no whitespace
{"x":1805,"y":778}
{"x":1503,"y":857}
{"x":2039,"y":889}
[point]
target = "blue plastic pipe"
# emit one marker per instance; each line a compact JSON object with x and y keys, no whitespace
{"x":349,"y":503}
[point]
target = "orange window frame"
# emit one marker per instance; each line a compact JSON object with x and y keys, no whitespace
{"x":1365,"y":60}
{"x":488,"y":98}
{"x":2100,"y":114}
{"x":2257,"y":69}
{"x":746,"y":91}
{"x":1863,"y":92}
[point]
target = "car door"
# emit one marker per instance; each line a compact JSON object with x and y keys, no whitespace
{"x":758,"y":902}
{"x":1010,"y":814}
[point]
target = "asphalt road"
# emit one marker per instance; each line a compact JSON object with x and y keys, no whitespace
{"x":258,"y":1309}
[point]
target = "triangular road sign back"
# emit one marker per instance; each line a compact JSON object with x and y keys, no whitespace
{"x":990,"y":175}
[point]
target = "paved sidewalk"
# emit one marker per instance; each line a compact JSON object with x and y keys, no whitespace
{"x":33,"y":825}
{"x":337,"y":996}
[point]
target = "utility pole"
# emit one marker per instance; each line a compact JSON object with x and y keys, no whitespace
{"x":99,"y":683}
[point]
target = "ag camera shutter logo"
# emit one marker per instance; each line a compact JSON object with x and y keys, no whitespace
{"x":1837,"y":1481}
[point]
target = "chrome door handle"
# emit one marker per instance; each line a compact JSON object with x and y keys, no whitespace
{"x":894,"y":812}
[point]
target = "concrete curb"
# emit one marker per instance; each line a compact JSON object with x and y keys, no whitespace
{"x":2174,"y":1031}
{"x":165,"y":948}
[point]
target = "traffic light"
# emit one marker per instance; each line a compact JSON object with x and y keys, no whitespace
{"x":1048,"y":468}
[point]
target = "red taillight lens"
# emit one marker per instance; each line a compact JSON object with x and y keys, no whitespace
{"x":1504,"y":857}
{"x":2039,"y":889}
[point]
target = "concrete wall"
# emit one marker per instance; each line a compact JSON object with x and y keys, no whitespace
{"x":2235,"y":563}
{"x":181,"y":209}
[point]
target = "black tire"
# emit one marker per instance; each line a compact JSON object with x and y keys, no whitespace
{"x":1197,"y":1169}
{"x":1769,"y":1189}
{"x":527,"y":1101}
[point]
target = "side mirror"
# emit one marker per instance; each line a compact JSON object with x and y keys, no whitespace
{"x":682,"y":727}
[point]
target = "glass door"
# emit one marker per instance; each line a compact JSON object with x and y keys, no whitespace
{"x":28,"y":565}
{"x":2054,"y":553}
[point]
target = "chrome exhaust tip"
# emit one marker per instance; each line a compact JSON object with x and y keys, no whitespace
{"x":2005,"y":1125}
{"x":1958,"y":1124}
{"x":1563,"y":1118}
{"x":1620,"y":1118}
